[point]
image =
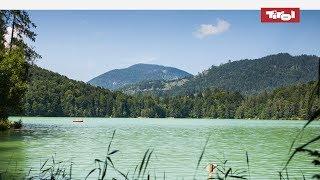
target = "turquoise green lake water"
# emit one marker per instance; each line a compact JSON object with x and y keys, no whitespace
{"x":177,"y":145}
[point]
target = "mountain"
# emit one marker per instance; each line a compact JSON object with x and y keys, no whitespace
{"x":155,"y":87}
{"x":51,"y":94}
{"x":248,"y":76}
{"x":119,"y":78}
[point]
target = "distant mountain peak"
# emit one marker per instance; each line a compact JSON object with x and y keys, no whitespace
{"x":136,"y":73}
{"x":247,"y":76}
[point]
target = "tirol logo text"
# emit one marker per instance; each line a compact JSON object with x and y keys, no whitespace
{"x":279,"y":15}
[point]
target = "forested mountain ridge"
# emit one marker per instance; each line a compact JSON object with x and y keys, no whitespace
{"x":154,"y":87}
{"x":50,"y":94}
{"x":248,"y":76}
{"x":289,"y":102}
{"x":118,"y":78}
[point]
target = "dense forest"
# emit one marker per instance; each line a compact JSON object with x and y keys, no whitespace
{"x":282,"y":103}
{"x":50,"y":94}
{"x":248,"y":76}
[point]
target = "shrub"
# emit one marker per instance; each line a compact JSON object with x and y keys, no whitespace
{"x":17,"y":124}
{"x":4,"y":125}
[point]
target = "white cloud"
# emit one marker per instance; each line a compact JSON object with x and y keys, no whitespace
{"x":209,"y":29}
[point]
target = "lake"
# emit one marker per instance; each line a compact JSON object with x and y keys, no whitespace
{"x":177,"y":145}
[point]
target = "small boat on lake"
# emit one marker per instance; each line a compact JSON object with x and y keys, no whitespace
{"x":77,"y":120}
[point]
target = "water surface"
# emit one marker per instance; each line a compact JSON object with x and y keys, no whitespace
{"x":177,"y":145}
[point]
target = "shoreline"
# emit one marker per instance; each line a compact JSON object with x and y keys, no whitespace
{"x":207,"y":118}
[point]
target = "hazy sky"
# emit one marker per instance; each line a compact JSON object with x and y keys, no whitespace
{"x":84,"y":44}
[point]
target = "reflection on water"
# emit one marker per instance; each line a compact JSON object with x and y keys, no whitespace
{"x":177,"y":145}
{"x":12,"y":155}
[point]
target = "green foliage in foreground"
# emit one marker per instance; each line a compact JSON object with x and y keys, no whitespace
{"x":13,"y":69}
{"x":6,"y":125}
{"x":50,"y":94}
{"x":15,"y":56}
{"x":107,"y":169}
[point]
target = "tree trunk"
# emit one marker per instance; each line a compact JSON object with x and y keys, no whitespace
{"x":12,"y":30}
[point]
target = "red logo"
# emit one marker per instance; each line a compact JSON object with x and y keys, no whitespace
{"x":280,"y":15}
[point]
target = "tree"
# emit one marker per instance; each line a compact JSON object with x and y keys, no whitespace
{"x":13,"y":83}
{"x":21,"y":28}
{"x":3,"y":30}
{"x":15,"y":56}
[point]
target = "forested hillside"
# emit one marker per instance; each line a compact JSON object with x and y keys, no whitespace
{"x":50,"y":94}
{"x":155,"y":87}
{"x":245,"y":76}
{"x":283,"y":103}
{"x":118,"y":78}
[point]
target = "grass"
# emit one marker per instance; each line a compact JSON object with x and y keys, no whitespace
{"x":312,"y":116}
{"x":106,"y":168}
{"x":140,"y":171}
